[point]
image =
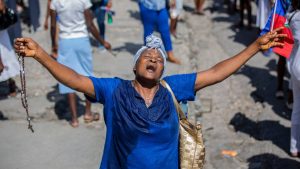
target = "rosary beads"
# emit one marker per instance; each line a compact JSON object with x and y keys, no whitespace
{"x":23,"y":92}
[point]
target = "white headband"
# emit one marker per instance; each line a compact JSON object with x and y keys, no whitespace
{"x":152,"y":42}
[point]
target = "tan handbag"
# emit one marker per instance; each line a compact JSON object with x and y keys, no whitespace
{"x":191,"y":146}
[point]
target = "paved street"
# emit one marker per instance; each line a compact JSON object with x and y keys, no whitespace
{"x":245,"y":116}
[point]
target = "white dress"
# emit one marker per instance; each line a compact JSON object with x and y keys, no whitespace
{"x":263,"y":11}
{"x":8,"y":57}
{"x":294,"y":68}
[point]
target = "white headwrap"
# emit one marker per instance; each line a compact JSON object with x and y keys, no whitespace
{"x":152,"y":42}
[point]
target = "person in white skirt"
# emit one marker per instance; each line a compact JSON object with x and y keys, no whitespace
{"x":74,"y":48}
{"x":294,"y":67}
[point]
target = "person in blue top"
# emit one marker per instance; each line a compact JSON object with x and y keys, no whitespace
{"x":141,"y":120}
{"x":154,"y":14}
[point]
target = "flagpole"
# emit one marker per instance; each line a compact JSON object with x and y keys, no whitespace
{"x":273,"y":18}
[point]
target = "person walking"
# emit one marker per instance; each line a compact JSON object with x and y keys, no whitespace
{"x":34,"y":15}
{"x":74,"y":48}
{"x":140,"y":115}
{"x":245,"y":4}
{"x":175,"y":11}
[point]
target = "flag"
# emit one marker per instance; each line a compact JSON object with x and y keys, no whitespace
{"x":277,"y":19}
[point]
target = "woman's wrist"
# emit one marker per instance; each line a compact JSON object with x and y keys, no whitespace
{"x":257,"y":45}
{"x":38,"y":53}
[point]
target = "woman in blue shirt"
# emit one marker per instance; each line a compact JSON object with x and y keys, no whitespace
{"x":141,"y":120}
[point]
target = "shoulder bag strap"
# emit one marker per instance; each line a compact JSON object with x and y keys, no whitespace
{"x":291,"y":17}
{"x":180,"y":113}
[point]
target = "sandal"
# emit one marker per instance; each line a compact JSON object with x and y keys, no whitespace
{"x":91,"y":118}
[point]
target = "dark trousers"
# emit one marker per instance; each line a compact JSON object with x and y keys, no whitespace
{"x":15,"y":30}
{"x":100,"y":16}
{"x":34,"y":13}
{"x":246,"y":4}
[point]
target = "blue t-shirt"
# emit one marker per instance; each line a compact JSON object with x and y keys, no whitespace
{"x":138,"y":137}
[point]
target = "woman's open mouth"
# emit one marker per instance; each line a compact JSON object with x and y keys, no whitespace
{"x":151,"y":68}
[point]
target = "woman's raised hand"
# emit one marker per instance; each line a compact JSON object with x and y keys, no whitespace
{"x":271,"y":39}
{"x":26,"y":47}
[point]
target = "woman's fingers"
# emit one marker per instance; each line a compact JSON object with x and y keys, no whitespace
{"x":20,"y":48}
{"x":273,"y":36}
{"x":18,"y":43}
{"x":20,"y":40}
{"x":277,"y":44}
{"x":17,"y":47}
{"x":271,"y":44}
{"x":278,"y":29}
{"x":281,"y":35}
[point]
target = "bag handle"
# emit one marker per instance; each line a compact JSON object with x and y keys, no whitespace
{"x":291,"y":17}
{"x":180,"y":113}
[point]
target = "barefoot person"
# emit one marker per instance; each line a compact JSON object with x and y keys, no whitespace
{"x":141,"y":120}
{"x":74,"y":49}
{"x":175,"y":10}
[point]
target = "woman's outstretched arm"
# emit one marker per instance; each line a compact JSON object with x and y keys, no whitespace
{"x":225,"y":68}
{"x":26,"y":47}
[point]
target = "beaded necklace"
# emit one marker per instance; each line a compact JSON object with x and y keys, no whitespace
{"x":23,"y":92}
{"x":148,"y":100}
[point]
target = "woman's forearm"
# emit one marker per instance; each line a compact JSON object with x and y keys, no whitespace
{"x":64,"y":74}
{"x":225,"y":68}
{"x":229,"y":66}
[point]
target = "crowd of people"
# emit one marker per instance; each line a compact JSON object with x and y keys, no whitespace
{"x":71,"y":60}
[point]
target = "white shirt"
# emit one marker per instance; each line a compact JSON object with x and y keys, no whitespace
{"x":71,"y":19}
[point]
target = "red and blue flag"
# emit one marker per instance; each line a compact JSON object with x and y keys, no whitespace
{"x":277,"y":19}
